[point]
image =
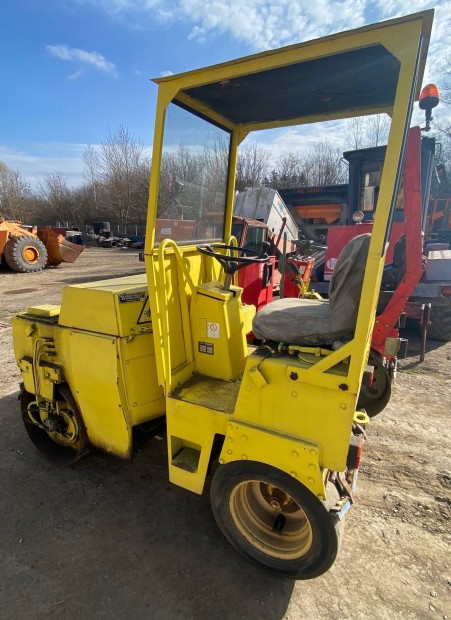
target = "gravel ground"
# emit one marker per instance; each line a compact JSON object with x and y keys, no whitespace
{"x":109,"y":539}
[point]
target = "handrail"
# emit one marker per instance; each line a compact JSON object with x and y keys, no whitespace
{"x":167,"y":369}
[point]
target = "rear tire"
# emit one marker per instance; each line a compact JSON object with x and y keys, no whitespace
{"x":25,"y":254}
{"x":273,"y":520}
{"x":440,"y":328}
{"x":374,"y":399}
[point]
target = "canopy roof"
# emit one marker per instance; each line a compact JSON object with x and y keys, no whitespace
{"x":341,"y":75}
{"x":324,"y":85}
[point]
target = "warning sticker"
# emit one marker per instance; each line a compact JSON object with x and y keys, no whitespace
{"x":126,"y":298}
{"x":206,"y":347}
{"x":212,"y":330}
{"x":144,"y":315}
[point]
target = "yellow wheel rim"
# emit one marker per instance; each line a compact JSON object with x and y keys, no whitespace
{"x":68,"y":437}
{"x":30,"y":254}
{"x":270,"y":520}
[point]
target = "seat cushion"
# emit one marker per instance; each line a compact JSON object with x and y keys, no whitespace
{"x":311,"y":322}
{"x":297,"y":321}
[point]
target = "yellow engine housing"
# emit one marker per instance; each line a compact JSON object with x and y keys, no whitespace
{"x":100,"y":343}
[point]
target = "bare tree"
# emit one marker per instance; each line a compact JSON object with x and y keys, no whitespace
{"x":193,"y":182}
{"x":213,"y":168}
{"x":252,"y":166}
{"x":58,"y":198}
{"x":180,"y":178}
{"x":92,"y":173}
{"x":445,"y":86}
{"x":442,"y":125}
{"x":363,"y":132}
{"x":122,"y":165}
{"x":354,"y":133}
{"x":15,"y":194}
{"x":322,"y":165}
{"x":288,"y":172}
{"x":378,"y":129}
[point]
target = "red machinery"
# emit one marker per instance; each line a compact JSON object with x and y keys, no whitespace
{"x":405,"y":256}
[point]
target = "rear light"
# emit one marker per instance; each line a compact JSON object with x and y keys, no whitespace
{"x":355,"y":451}
{"x":353,"y":460}
{"x":368,"y":375}
{"x":358,"y":454}
{"x":446,"y":291}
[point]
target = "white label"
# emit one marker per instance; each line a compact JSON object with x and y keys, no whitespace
{"x":212,"y":330}
{"x":331,"y":263}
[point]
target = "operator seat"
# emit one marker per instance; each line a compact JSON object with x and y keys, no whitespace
{"x":318,"y":322}
{"x":393,"y":275}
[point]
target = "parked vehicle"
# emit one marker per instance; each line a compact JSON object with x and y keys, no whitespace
{"x":28,"y":249}
{"x":351,"y":209}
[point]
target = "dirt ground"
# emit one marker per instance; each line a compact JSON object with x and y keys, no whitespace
{"x":109,"y":539}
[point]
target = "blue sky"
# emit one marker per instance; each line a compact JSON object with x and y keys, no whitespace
{"x":72,"y":69}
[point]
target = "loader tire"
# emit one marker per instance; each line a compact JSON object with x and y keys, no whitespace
{"x":25,"y":254}
{"x":440,"y":328}
{"x":273,"y":520}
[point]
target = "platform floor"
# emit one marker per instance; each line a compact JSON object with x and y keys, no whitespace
{"x":211,"y":393}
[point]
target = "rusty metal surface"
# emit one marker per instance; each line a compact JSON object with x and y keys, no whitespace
{"x":59,"y":249}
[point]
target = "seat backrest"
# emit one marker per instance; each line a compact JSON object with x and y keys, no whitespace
{"x":347,"y":280}
{"x":393,"y":276}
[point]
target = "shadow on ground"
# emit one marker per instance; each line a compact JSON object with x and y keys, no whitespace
{"x":412,"y":333}
{"x":107,"y":539}
{"x":82,"y":280}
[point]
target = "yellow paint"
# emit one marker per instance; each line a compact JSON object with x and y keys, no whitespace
{"x":110,"y":370}
{"x":298,"y":458}
{"x":45,"y":310}
{"x":217,"y":321}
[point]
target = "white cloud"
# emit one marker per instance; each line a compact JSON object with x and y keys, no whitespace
{"x":257,"y":23}
{"x":36,"y":160}
{"x":264,"y":25}
{"x":298,"y":140}
{"x":86,"y":59}
{"x":166,"y":73}
{"x":76,"y":74}
{"x":261,"y":25}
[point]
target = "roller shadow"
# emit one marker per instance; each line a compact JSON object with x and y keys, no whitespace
{"x":106,"y":539}
{"x":94,"y":278}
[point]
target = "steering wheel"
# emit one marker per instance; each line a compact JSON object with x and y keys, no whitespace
{"x":231,"y":264}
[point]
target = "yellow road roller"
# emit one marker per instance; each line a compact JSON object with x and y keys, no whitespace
{"x":276,"y":424}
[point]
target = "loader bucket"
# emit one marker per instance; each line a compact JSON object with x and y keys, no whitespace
{"x":3,"y":240}
{"x":58,"y":248}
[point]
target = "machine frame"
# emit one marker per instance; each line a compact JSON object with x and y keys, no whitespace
{"x":406,"y":39}
{"x":279,"y":423}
